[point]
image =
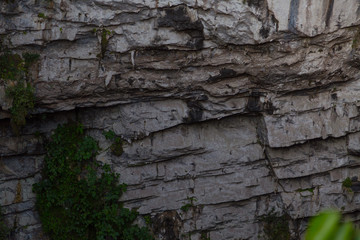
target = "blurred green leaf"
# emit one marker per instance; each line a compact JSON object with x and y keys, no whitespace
{"x":357,"y":236}
{"x":345,"y":232}
{"x":324,"y":226}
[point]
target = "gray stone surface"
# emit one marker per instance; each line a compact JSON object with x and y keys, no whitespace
{"x":244,"y":106}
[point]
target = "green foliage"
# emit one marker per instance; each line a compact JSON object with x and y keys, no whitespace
{"x":11,"y":66}
{"x":328,"y":226}
{"x":109,"y":135}
{"x":204,"y":236}
{"x":105,"y":33}
{"x":189,"y":204}
{"x":14,"y":70}
{"x":186,"y":207}
{"x":347,"y":183}
{"x":4,"y":229}
{"x":23,"y":101}
{"x":147,"y":219}
{"x":104,"y":42}
{"x":311,"y":190}
{"x":29,"y":58}
{"x":42,"y":15}
{"x":117,"y":145}
{"x":78,"y":198}
{"x":276,"y":226}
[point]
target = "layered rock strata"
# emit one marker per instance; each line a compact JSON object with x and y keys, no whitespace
{"x":245,"y":106}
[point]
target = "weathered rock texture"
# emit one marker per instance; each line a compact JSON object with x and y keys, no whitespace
{"x":245,"y":105}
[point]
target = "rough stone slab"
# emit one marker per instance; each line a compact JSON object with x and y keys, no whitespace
{"x":288,"y":130}
{"x":310,"y":158}
{"x":229,"y":189}
{"x":124,"y":120}
{"x":295,"y":15}
{"x":19,"y":166}
{"x":20,"y":145}
{"x":354,"y":143}
{"x":16,"y":191}
{"x":225,"y":136}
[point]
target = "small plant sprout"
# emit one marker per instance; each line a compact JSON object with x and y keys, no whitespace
{"x":189,"y":204}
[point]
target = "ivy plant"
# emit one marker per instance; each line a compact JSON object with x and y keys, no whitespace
{"x":117,"y":143}
{"x":78,"y":198}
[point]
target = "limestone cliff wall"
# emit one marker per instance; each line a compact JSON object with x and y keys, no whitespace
{"x":245,"y":105}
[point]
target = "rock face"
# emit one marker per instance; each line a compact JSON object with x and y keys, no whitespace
{"x":242,"y":106}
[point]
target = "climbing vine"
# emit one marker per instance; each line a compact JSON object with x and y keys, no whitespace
{"x":14,"y":70}
{"x":78,"y":198}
